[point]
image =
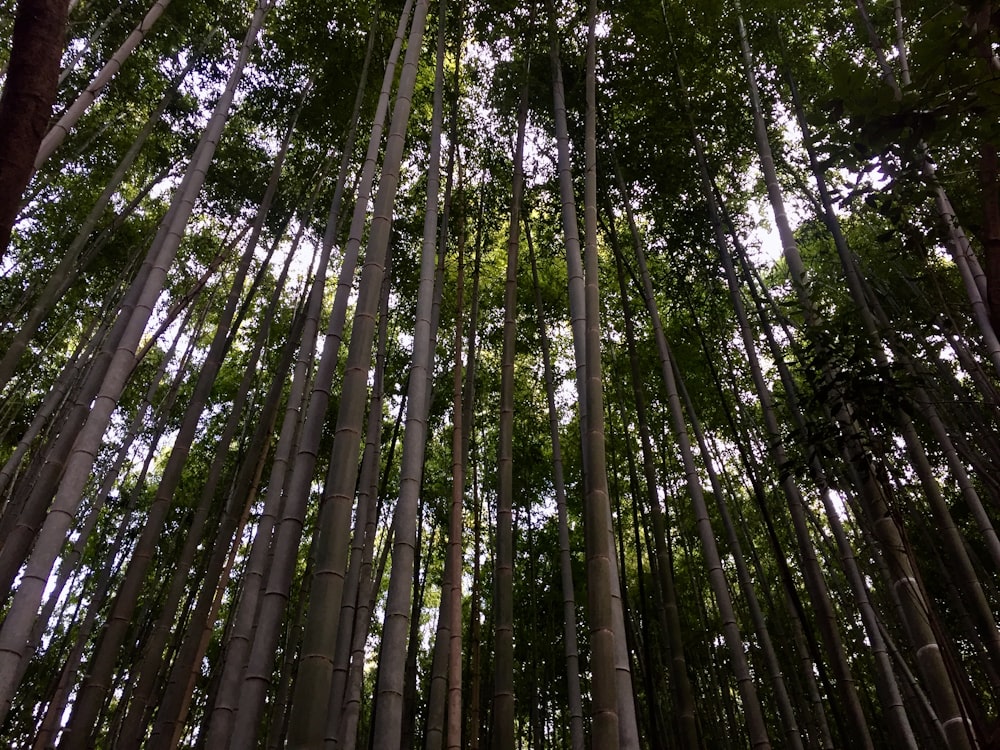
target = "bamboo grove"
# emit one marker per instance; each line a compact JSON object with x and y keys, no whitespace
{"x":480,"y":374}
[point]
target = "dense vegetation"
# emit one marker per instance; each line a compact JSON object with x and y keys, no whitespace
{"x":486,"y":373}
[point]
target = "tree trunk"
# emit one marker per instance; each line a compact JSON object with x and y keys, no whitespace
{"x":680,"y":680}
{"x":93,"y":692}
{"x":574,"y":694}
{"x":918,"y":617}
{"x":251,"y":627}
{"x":347,"y":614}
{"x":334,"y":522}
{"x":748,"y":692}
{"x":333,"y":527}
{"x":363,"y":543}
{"x":453,"y":734}
{"x":468,"y":458}
{"x":75,"y":111}
{"x":26,"y":102}
{"x":503,"y":689}
{"x":179,"y":683}
{"x":62,"y":512}
{"x":134,"y":725}
{"x":610,"y":697}
{"x":388,"y":701}
{"x":815,"y":582}
{"x":371,"y":584}
{"x":68,"y":268}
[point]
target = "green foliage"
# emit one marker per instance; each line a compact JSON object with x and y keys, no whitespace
{"x":662,"y":68}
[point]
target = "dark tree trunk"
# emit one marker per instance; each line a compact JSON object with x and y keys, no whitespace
{"x":26,"y":103}
{"x":991,"y":227}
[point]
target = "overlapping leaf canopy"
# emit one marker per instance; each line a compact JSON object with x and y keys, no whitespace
{"x":843,"y":427}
